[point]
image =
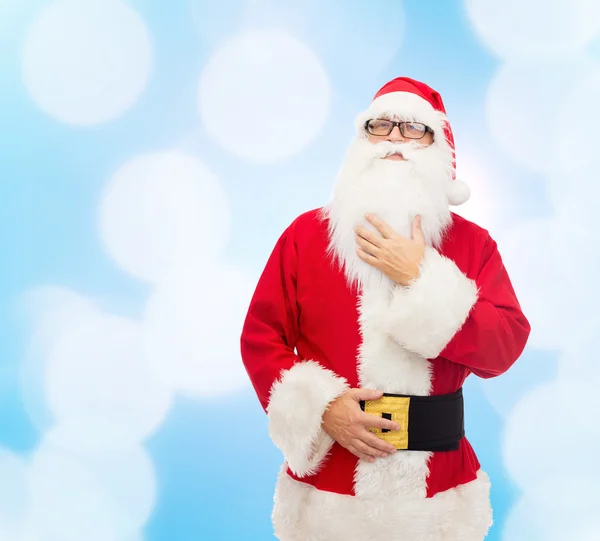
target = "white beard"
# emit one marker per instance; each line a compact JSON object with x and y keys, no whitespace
{"x":395,"y":191}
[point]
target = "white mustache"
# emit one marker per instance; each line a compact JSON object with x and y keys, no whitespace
{"x":408,"y":150}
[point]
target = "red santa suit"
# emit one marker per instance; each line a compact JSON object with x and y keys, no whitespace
{"x":311,"y":334}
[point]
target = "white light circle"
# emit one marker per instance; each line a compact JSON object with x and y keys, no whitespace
{"x":574,"y":196}
{"x":69,"y":501}
{"x":523,"y":104}
{"x":574,"y":187}
{"x":542,"y":438}
{"x":163,"y":211}
{"x":578,"y":363}
{"x":578,"y":359}
{"x":558,"y":508}
{"x":15,"y":495}
{"x":264,"y":96}
{"x":50,"y":312}
{"x":512,"y":28}
{"x":91,"y":433}
{"x":539,"y":257}
{"x":106,"y":498}
{"x":193,"y":327}
{"x":99,"y":382}
{"x":333,"y":32}
{"x":577,"y":119}
{"x":129,"y":477}
{"x":86,"y":63}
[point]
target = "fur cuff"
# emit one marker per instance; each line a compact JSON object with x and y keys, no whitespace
{"x":295,"y":411}
{"x":426,"y":315}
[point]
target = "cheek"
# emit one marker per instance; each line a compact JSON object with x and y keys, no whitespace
{"x":374,"y":138}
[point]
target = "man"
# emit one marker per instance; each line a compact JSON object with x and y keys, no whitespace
{"x":370,"y":314}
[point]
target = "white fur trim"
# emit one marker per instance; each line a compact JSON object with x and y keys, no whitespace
{"x":404,"y":105}
{"x":295,"y":411}
{"x":425,"y":316}
{"x":386,"y":365}
{"x":458,"y":192}
{"x":303,"y":513}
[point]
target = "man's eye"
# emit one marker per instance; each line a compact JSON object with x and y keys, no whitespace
{"x":415,"y":128}
{"x":382,"y":124}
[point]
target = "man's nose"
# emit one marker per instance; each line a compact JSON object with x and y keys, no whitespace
{"x":395,"y":135}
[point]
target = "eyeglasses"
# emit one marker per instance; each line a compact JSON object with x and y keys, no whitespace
{"x":409,"y":130}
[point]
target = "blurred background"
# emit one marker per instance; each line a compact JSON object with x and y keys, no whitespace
{"x":151,"y":153}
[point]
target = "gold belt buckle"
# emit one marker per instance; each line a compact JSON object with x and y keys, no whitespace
{"x":397,"y":407}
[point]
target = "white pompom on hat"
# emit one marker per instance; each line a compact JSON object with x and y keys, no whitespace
{"x":412,"y":100}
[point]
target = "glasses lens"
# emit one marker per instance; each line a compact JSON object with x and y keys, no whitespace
{"x":414,"y":130}
{"x":380,"y":127}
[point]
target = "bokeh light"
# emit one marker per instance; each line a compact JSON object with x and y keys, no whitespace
{"x":514,"y":28}
{"x":86,"y":63}
{"x":161,"y":212}
{"x":134,"y":260}
{"x":264,"y":96}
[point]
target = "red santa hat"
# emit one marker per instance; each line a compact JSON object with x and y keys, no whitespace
{"x":412,"y":100}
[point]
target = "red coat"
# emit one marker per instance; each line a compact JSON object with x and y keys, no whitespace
{"x":309,"y":336}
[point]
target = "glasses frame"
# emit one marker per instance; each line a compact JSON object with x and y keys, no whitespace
{"x":400,"y":125}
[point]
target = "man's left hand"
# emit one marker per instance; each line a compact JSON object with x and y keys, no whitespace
{"x":396,"y":256}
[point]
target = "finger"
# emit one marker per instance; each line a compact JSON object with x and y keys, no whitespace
{"x":374,"y":421}
{"x":360,"y":455}
{"x":367,"y":246}
{"x":366,"y":449}
{"x":386,"y":231}
{"x":369,"y":236}
{"x":417,"y":232}
{"x":372,"y":440}
{"x":367,"y":258}
{"x":366,"y":394}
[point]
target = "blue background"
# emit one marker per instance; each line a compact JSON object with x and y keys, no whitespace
{"x":210,"y":485}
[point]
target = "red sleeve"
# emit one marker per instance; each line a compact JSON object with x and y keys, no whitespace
{"x":474,"y":322}
{"x":270,"y":330}
{"x":293,"y":392}
{"x":495,"y":334}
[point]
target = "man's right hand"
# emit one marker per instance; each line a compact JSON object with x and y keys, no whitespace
{"x":348,"y":424}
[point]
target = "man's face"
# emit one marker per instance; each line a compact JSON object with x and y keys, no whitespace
{"x":395,"y":131}
{"x":396,"y":188}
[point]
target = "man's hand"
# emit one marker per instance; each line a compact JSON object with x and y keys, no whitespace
{"x":397,"y":257}
{"x":347,"y":424}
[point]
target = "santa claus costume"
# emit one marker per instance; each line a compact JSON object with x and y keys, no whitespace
{"x":323,"y":321}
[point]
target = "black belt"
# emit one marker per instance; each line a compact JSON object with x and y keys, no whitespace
{"x":427,"y":423}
